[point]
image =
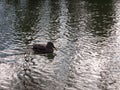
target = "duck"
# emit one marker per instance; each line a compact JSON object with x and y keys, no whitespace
{"x":42,"y":48}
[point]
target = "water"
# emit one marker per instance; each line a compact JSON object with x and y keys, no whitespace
{"x":85,"y":33}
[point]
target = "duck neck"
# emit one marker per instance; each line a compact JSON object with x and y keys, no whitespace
{"x":49,"y":47}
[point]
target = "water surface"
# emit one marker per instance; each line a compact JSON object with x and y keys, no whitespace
{"x":85,"y":33}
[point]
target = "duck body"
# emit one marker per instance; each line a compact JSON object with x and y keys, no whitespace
{"x":40,"y":48}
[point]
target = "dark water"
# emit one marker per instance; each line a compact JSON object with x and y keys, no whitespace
{"x":85,"y":32}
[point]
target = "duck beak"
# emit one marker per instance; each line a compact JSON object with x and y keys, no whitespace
{"x":55,"y":48}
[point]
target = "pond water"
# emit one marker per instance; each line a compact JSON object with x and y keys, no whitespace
{"x":86,"y":34}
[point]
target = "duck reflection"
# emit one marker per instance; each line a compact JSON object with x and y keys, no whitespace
{"x":49,"y":56}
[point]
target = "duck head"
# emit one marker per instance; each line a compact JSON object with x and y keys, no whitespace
{"x":50,"y":45}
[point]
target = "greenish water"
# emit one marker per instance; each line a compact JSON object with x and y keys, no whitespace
{"x":86,"y":34}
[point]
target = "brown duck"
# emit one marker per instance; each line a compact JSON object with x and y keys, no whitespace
{"x":40,"y":48}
